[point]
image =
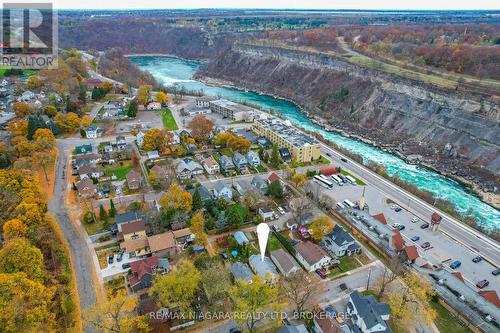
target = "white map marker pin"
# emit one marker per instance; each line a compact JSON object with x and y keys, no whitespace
{"x":262,"y":235}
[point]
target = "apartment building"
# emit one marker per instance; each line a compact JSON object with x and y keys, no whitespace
{"x":231,"y":110}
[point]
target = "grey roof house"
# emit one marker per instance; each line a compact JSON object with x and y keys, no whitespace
{"x":285,"y":262}
{"x":204,"y":193}
{"x":368,"y":314}
{"x":265,"y":269}
{"x":239,"y":160}
{"x":221,"y":190}
{"x":241,"y":271}
{"x":253,"y":158}
{"x":226,"y":163}
{"x":260,"y":184}
{"x":340,"y":243}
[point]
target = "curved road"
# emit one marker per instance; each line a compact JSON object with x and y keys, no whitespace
{"x":83,"y":263}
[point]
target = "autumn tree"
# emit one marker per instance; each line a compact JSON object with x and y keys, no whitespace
{"x":21,"y":109}
{"x":215,"y":280}
{"x":162,"y":98}
{"x":298,"y":292}
{"x":18,"y":127}
{"x":198,"y":228}
{"x":154,"y":139}
{"x":18,"y":255}
{"x":253,"y":299}
{"x":25,"y":305}
{"x":34,"y":82}
{"x":321,"y":226}
{"x":176,"y":199}
{"x":117,"y":314}
{"x":178,"y":288}
{"x":144,"y":94}
{"x":67,"y":122}
{"x":14,"y":228}
{"x":44,"y":139}
{"x":234,"y":142}
{"x":201,"y":127}
{"x":50,"y":110}
{"x":43,"y":160}
{"x":298,"y":179}
{"x":108,"y":86}
{"x":86,"y":121}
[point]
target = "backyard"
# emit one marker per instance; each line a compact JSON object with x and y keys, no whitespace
{"x":168,"y":120}
{"x":120,"y":170}
{"x":346,"y":264}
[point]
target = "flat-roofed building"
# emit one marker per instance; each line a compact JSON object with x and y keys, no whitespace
{"x":232,"y":110}
{"x":303,"y":147}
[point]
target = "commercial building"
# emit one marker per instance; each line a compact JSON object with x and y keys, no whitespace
{"x":282,"y":134}
{"x":232,"y":110}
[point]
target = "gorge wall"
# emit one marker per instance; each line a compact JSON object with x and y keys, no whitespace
{"x":457,"y":132}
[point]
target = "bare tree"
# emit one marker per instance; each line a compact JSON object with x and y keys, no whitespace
{"x":391,"y":272}
{"x":297,"y":291}
{"x":300,"y":207}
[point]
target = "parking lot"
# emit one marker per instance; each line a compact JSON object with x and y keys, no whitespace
{"x":442,"y":250}
{"x":114,"y":269}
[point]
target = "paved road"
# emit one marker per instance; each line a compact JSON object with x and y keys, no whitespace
{"x":82,"y":259}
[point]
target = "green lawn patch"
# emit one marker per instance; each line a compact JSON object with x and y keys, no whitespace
{"x":347,"y":173}
{"x":273,"y":243}
{"x":369,"y":293}
{"x":120,"y":171}
{"x":446,"y":322}
{"x":346,"y":264}
{"x":261,"y":168}
{"x":168,"y":120}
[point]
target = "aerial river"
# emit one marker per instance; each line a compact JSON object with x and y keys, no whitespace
{"x":172,"y":71}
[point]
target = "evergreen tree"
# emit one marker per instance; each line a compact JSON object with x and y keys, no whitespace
{"x":132,"y":109}
{"x":112,"y":209}
{"x":197,"y":202}
{"x":103,"y":215}
{"x":82,"y":95}
{"x":274,"y":189}
{"x":69,"y":105}
{"x":275,"y":157}
{"x":95,"y":94}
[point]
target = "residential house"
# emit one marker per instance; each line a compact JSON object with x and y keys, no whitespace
{"x":221,"y":190}
{"x":264,"y":268}
{"x":226,"y":163}
{"x":86,"y":188}
{"x":324,"y":322}
{"x":27,"y":96}
{"x":182,"y":236}
{"x":92,"y":132}
{"x":163,"y":245}
{"x":211,"y":166}
{"x":87,"y":159}
{"x":136,"y":247}
{"x":285,"y":154}
{"x":134,"y":230}
{"x":134,"y":180}
{"x":241,"y":238}
{"x":288,"y":328}
{"x":285,"y":262}
{"x":88,"y":171}
{"x":253,"y":158}
{"x":240,"y":161}
{"x":121,"y":143}
{"x":264,"y":142}
{"x":311,"y":255}
{"x":140,"y":139}
{"x":83,"y":149}
{"x":266,"y":213}
{"x":106,"y":147}
{"x":241,"y":271}
{"x":187,"y":168}
{"x":273,"y":177}
{"x":154,"y":106}
{"x":260,"y":184}
{"x":175,"y":139}
{"x":153,"y":154}
{"x":142,"y":272}
{"x":129,"y":217}
{"x":204,"y":193}
{"x":368,"y":314}
{"x":340,"y":243}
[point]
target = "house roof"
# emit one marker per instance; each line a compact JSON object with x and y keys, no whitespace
{"x":251,"y":155}
{"x":87,"y":169}
{"x":262,"y":267}
{"x":240,"y":237}
{"x":182,"y":233}
{"x":134,"y":244}
{"x":411,"y":252}
{"x":141,"y":268}
{"x":398,"y":242}
{"x":370,"y":310}
{"x":133,"y":176}
{"x":326,"y":322}
{"x":91,"y":156}
{"x":128,"y":217}
{"x":273,"y":177}
{"x":85,"y":184}
{"x":312,"y":253}
{"x":436,"y":217}
{"x":491,"y":296}
{"x":285,"y":261}
{"x":293,"y":329}
{"x":265,"y":209}
{"x":159,"y":170}
{"x":241,"y":271}
{"x":258,"y":181}
{"x":219,"y":186}
{"x":226,"y":162}
{"x":130,"y":228}
{"x":381,"y":218}
{"x":204,"y":192}
{"x":210,"y":162}
{"x":161,"y":242}
{"x":238,"y":158}
{"x":458,"y":275}
{"x":339,"y":236}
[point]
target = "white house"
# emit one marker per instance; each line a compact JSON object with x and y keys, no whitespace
{"x":211,"y":166}
{"x":153,"y":154}
{"x":222,"y":190}
{"x":253,"y":158}
{"x":88,"y":171}
{"x":311,"y":256}
{"x":266,"y":213}
{"x":154,"y":106}
{"x":139,"y":138}
{"x":340,"y":243}
{"x":367,"y":314}
{"x":92,"y":132}
{"x":264,"y":268}
{"x":285,"y":262}
{"x":175,"y":139}
{"x":187,"y":168}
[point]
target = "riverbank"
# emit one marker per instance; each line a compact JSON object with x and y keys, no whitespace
{"x":489,"y":198}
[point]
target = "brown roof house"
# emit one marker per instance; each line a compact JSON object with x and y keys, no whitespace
{"x":285,"y":262}
{"x":182,"y":235}
{"x":325,"y":323}
{"x":134,"y":230}
{"x":311,"y":255}
{"x":134,"y":180}
{"x":86,"y":188}
{"x":142,"y":273}
{"x":136,"y":247}
{"x":163,"y":245}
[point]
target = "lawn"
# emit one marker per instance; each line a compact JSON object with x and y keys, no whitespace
{"x":168,"y":120}
{"x":120,"y":171}
{"x":94,"y":227}
{"x":273,"y":243}
{"x":346,"y":264}
{"x":347,"y":173}
{"x":446,"y":322}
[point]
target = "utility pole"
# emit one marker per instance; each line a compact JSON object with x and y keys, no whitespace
{"x":369,"y":276}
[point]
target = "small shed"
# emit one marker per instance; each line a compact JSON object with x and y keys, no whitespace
{"x":241,"y":238}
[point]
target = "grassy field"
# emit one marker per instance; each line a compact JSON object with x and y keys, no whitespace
{"x":446,"y":322}
{"x":120,"y":171}
{"x":347,"y":173}
{"x":168,"y":120}
{"x":273,"y":243}
{"x":346,"y":264}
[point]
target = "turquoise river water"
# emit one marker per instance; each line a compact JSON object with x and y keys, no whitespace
{"x":172,"y":71}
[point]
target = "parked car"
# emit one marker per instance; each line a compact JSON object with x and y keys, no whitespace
{"x":477,"y":259}
{"x":398,"y":226}
{"x":496,"y":272}
{"x":425,"y":245}
{"x":281,"y":210}
{"x":235,"y":330}
{"x":483,"y":283}
{"x":119,"y":257}
{"x":394,"y":206}
{"x":110,"y":259}
{"x":415,"y":220}
{"x":125,"y":265}
{"x":321,"y":272}
{"x":398,"y":209}
{"x":328,"y":154}
{"x":425,"y":225}
{"x":455,"y":264}
{"x":415,"y":238}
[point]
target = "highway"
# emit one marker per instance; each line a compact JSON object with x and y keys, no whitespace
{"x":475,"y":241}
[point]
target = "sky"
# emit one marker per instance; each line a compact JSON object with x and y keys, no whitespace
{"x":295,"y":4}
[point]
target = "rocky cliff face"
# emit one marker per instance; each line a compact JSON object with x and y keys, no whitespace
{"x":459,"y":133}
